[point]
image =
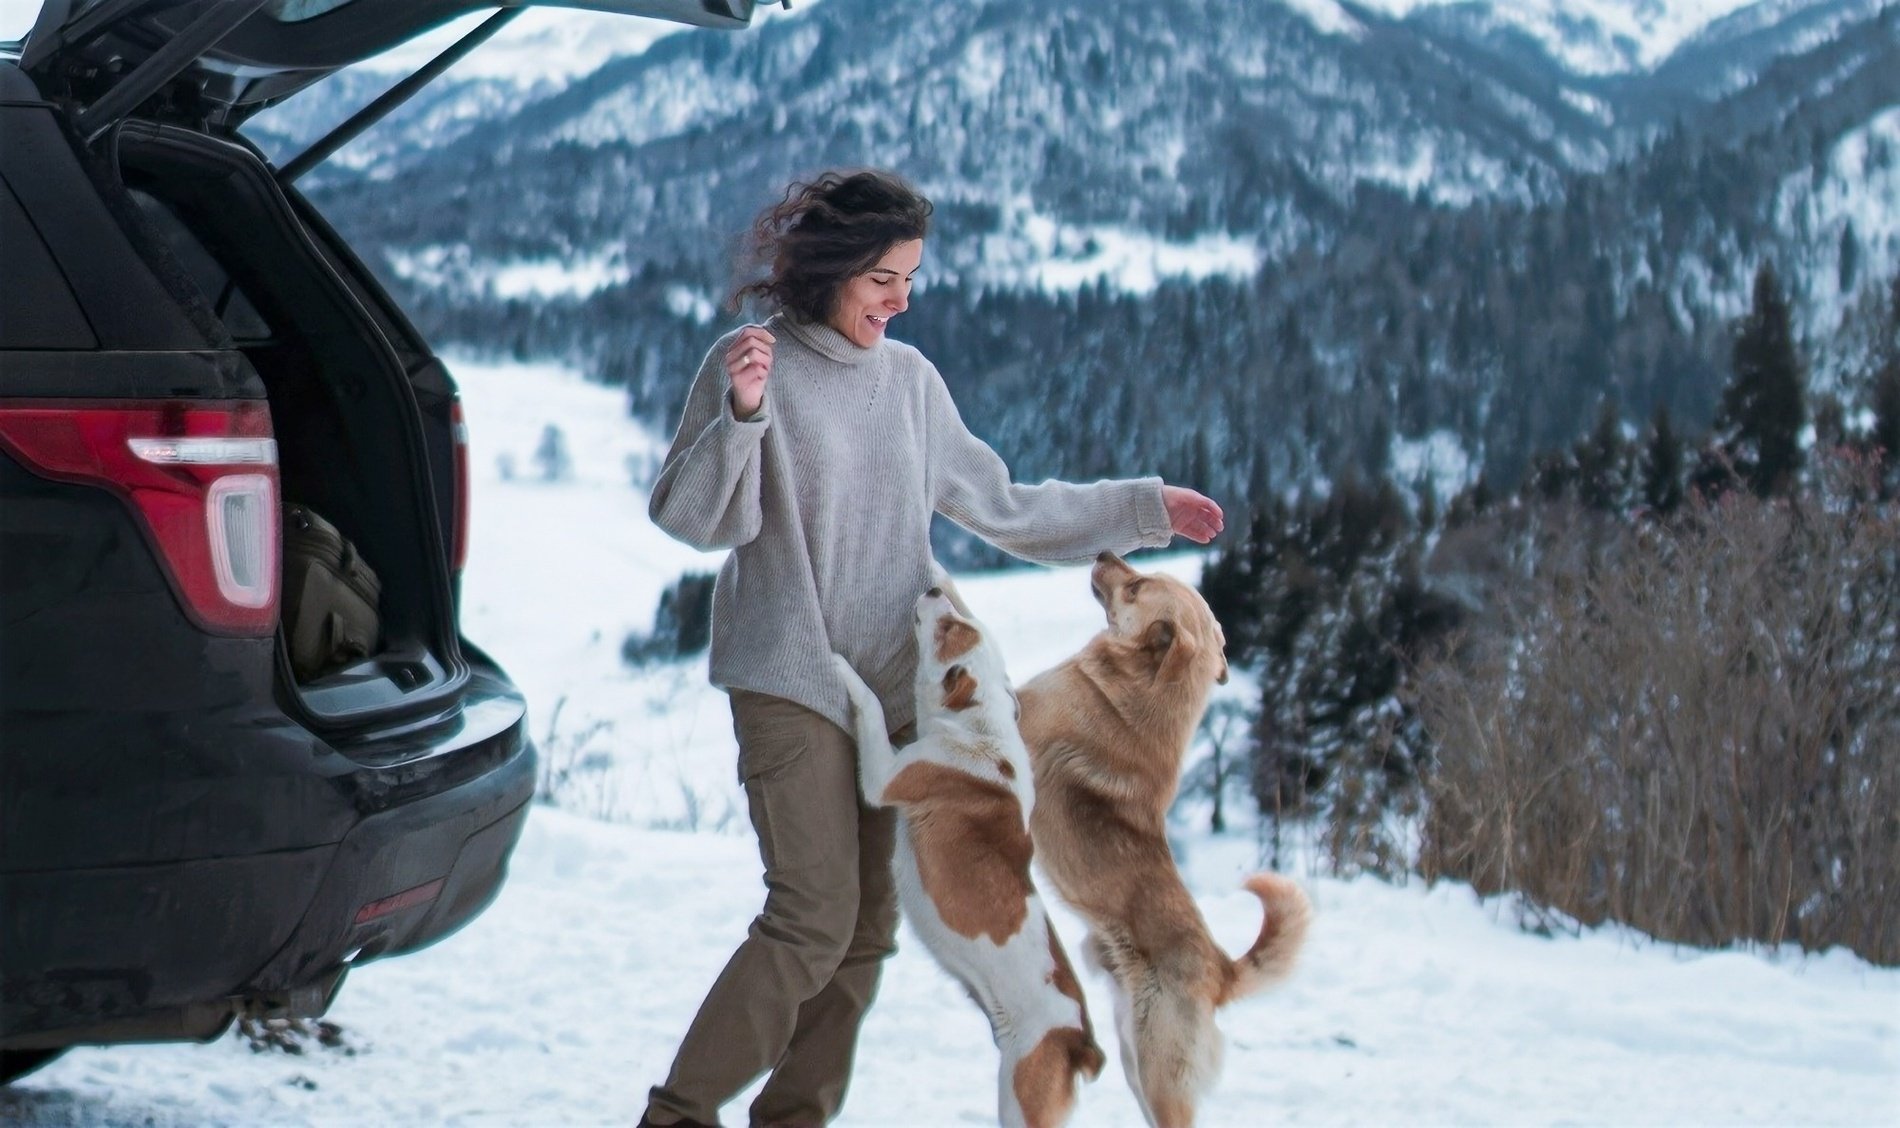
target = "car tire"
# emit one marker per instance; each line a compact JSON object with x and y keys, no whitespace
{"x":15,"y":1064}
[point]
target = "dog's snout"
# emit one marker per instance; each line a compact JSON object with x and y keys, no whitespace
{"x":1106,"y":557}
{"x":934,"y":592}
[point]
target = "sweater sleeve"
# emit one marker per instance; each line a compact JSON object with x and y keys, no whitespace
{"x":707,"y":494}
{"x":1048,"y":523}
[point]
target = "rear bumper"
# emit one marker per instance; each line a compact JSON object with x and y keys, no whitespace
{"x":407,"y":876}
{"x":164,"y":951}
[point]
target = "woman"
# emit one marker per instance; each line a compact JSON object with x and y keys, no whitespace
{"x":817,"y":451}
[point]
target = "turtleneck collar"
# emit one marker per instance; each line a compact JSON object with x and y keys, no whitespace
{"x":821,"y":339}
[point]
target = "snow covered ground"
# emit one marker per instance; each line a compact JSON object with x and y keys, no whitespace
{"x":564,"y":1001}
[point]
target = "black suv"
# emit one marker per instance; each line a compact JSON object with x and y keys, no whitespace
{"x":188,"y":831}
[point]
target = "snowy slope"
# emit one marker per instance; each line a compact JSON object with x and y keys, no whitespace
{"x":565,"y":1000}
{"x":1591,"y":37}
{"x":544,"y":45}
{"x":1850,"y":211}
{"x":539,"y":45}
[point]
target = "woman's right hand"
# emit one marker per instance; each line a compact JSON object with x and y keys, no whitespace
{"x":748,"y":363}
{"x":1192,"y":515}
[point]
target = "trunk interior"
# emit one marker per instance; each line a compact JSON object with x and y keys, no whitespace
{"x":352,"y":444}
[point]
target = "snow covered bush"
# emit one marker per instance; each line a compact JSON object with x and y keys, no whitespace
{"x":551,"y":455}
{"x":682,"y":624}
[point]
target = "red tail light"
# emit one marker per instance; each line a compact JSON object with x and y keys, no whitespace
{"x":407,"y":899}
{"x":458,"y":551}
{"x":202,"y":476}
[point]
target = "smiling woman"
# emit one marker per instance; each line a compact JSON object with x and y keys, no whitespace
{"x":817,"y":450}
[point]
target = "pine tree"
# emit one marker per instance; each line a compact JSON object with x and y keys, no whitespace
{"x":1763,"y":410}
{"x":1830,"y":421}
{"x":1849,"y":259}
{"x":551,"y":455}
{"x":1886,"y":391}
{"x":1662,"y":466}
{"x":1886,"y":434}
{"x":1602,"y":463}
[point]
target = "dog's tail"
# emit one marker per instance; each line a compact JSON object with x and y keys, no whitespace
{"x":1273,"y":953}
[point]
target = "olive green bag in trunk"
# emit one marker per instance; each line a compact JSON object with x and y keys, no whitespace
{"x":332,"y":598}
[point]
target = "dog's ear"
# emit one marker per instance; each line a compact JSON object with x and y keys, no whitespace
{"x":1158,"y":637}
{"x":959,"y":689}
{"x":955,"y":638}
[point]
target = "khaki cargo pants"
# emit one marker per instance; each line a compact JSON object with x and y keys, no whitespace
{"x":792,"y":997}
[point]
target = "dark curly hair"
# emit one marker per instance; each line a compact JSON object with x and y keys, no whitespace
{"x":826,"y":232}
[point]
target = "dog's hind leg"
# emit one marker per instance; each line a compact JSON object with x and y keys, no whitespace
{"x":1098,"y":956}
{"x":1125,"y":1041}
{"x":877,"y":761}
{"x":1009,"y":1110}
{"x":1178,"y":1052}
{"x":1125,"y":976}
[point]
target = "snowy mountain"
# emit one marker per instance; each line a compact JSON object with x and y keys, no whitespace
{"x":1090,"y":114}
{"x":537,"y":54}
{"x":1024,"y":116}
{"x":1228,"y":129}
{"x":1582,"y":43}
{"x":1409,"y":221}
{"x":539,"y":46}
{"x":1589,"y":37}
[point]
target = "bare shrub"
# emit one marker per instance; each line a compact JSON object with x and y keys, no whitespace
{"x":700,"y":810}
{"x":1695,"y":731}
{"x":575,"y":774}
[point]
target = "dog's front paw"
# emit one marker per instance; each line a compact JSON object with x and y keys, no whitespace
{"x":854,"y":684}
{"x":845,"y":671}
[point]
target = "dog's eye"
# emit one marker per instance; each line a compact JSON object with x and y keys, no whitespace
{"x":1130,"y":588}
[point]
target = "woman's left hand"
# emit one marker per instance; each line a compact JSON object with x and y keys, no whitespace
{"x":1192,"y":515}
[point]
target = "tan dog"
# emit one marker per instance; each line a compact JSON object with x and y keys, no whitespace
{"x":963,"y":795}
{"x":1107,"y":731}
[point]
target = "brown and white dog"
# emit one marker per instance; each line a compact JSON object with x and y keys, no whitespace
{"x":1107,"y":731}
{"x":963,"y":795}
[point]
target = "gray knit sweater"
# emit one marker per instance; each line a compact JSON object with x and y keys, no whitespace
{"x":825,"y":497}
